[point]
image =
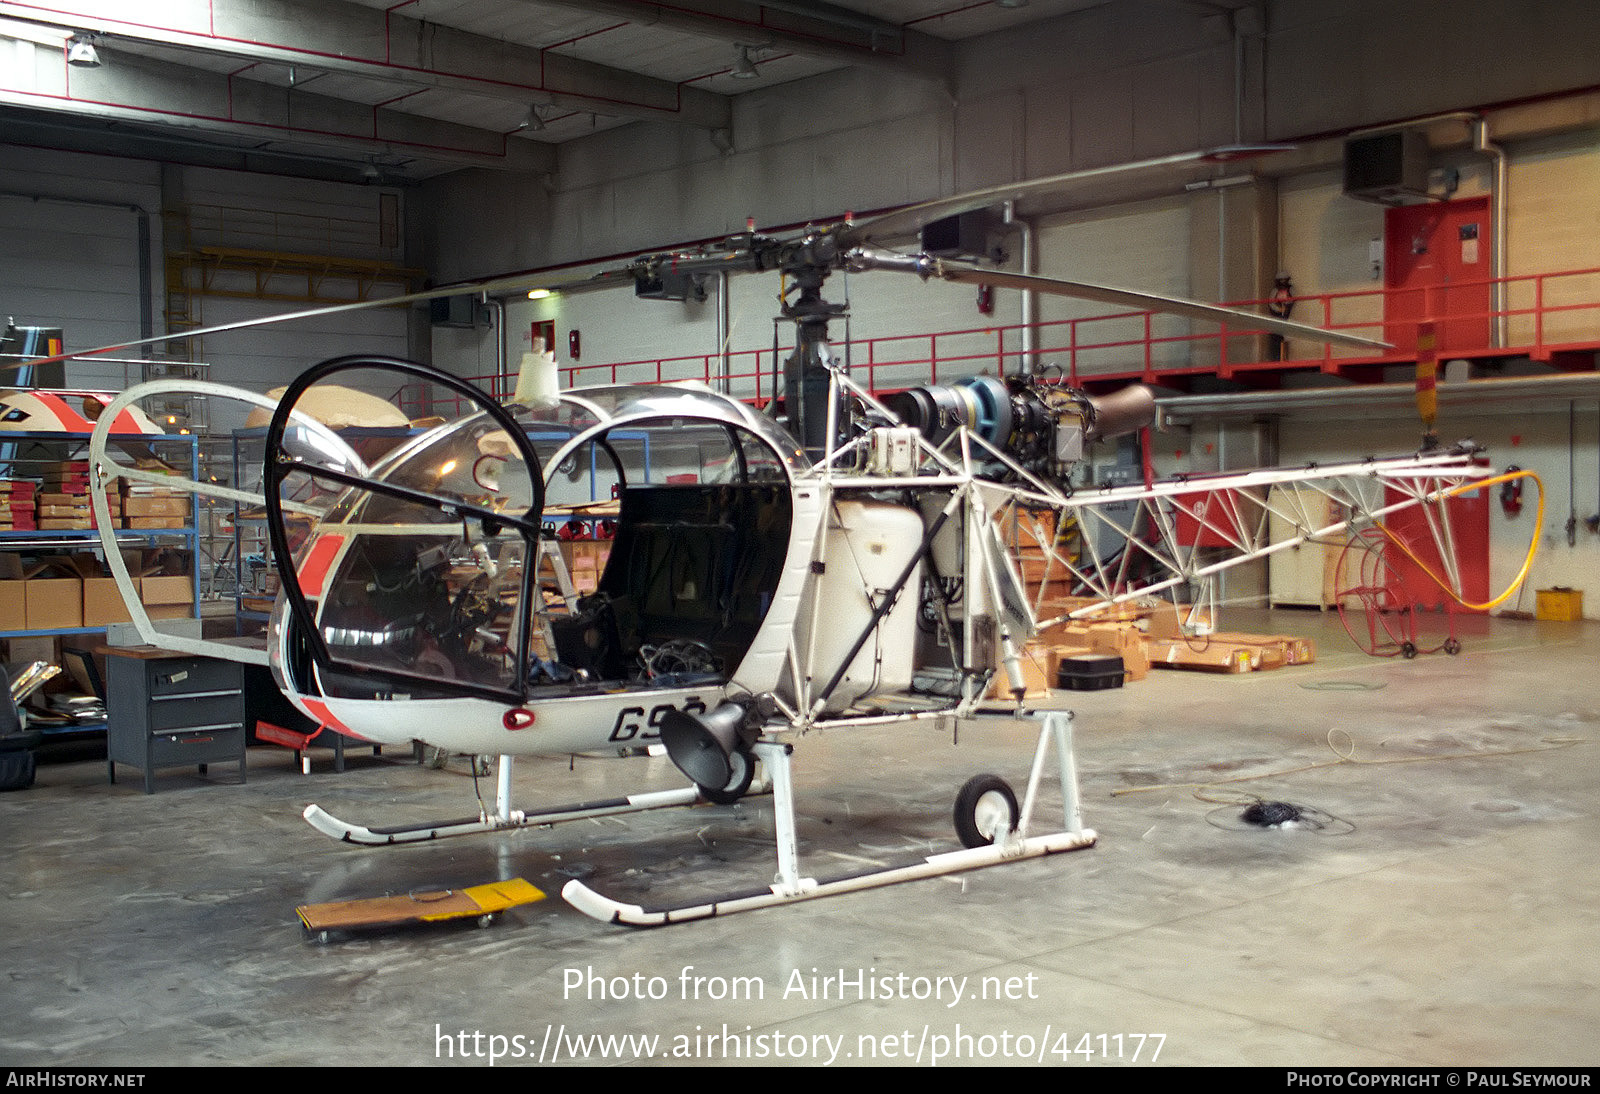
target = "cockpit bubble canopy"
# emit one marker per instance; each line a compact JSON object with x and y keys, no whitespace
{"x":415,"y":572}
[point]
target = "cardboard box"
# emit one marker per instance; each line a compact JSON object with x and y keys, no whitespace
{"x":586,"y":554}
{"x":13,"y":610}
{"x":54,"y":593}
{"x":53,"y":601}
{"x":103,"y":603}
{"x":1281,"y":649}
{"x":1122,"y":639}
{"x":585,"y":559}
{"x":156,"y":507}
{"x":68,"y":592}
{"x":43,"y":647}
{"x":1205,"y":655}
{"x":167,"y":596}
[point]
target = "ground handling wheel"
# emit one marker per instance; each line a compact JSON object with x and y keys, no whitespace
{"x":986,"y":810}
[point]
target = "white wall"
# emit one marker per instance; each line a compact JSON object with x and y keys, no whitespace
{"x":69,"y":225}
{"x":69,"y":248}
{"x":1555,"y":223}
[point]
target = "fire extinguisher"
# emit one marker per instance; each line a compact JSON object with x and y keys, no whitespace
{"x":1511,"y":493}
{"x":985,"y":299}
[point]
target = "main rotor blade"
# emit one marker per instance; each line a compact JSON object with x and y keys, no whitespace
{"x":903,"y":222}
{"x":1145,"y":301}
{"x":926,"y":266}
{"x":739,"y":259}
{"x":603,"y":279}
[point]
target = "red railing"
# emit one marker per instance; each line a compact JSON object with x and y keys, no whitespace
{"x":1542,"y":316}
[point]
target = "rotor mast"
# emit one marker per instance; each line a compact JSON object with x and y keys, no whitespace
{"x":808,"y":379}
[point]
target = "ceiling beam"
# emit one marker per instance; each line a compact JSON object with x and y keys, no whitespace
{"x":348,"y":38}
{"x":150,"y":97}
{"x":806,"y":27}
{"x":101,"y":136}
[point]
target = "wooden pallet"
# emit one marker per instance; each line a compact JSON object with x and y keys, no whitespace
{"x":1230,"y":652}
{"x":1168,"y":648}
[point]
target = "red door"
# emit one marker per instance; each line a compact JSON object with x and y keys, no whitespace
{"x":1459,"y":528}
{"x":1437,"y":266}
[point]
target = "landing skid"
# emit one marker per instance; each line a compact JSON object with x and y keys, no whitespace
{"x":1011,"y":843}
{"x":600,"y":907}
{"x":504,"y":818}
{"x":330,"y":825}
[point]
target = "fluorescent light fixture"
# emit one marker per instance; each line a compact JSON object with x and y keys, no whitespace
{"x":539,"y":294}
{"x":1219,"y":184}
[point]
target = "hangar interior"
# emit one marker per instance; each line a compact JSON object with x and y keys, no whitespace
{"x":209,"y":164}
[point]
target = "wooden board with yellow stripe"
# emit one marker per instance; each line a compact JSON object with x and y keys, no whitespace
{"x":431,"y":906}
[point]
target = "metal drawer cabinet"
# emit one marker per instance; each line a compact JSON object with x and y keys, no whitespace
{"x":167,"y":709}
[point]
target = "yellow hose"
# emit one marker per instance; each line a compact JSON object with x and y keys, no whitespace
{"x":1527,"y":563}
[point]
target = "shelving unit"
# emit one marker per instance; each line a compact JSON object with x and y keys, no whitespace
{"x":21,"y":451}
{"x":252,"y":599}
{"x":22,"y":456}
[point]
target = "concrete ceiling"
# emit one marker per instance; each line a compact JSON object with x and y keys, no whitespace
{"x":405,"y":89}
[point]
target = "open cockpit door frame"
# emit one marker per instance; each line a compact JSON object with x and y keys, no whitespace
{"x":279,"y":464}
{"x":753,"y":666}
{"x":106,"y":470}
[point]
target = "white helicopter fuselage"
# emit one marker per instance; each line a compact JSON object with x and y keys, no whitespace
{"x":820,"y":642}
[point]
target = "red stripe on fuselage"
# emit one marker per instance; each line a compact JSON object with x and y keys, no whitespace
{"x":314,"y":571}
{"x":325,"y":717}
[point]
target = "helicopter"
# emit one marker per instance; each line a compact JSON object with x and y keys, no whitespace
{"x":836,"y":562}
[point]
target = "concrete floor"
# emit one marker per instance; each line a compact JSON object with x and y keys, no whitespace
{"x":1447,"y":911}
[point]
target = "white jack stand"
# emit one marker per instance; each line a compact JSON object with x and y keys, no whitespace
{"x":1010,"y":844}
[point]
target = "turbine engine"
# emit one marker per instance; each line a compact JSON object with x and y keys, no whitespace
{"x":1044,"y":427}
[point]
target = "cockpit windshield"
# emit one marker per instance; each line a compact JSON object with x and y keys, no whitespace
{"x":628,"y":537}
